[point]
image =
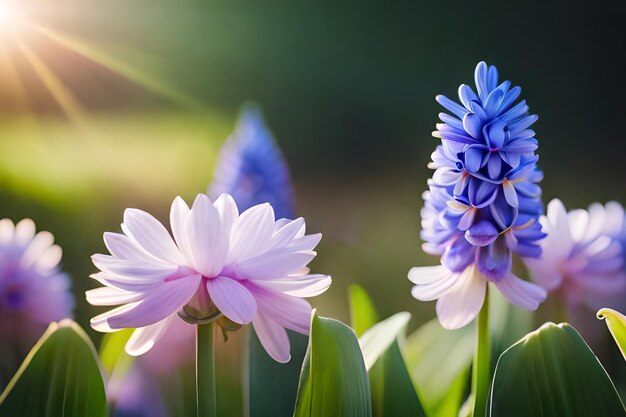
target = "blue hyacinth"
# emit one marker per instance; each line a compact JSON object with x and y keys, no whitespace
{"x":483,"y":202}
{"x":252,"y":169}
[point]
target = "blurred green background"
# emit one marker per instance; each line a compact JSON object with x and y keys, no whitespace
{"x":108,"y":105}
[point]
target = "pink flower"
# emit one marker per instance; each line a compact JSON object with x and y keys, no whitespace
{"x":582,"y":259}
{"x":248,"y":267}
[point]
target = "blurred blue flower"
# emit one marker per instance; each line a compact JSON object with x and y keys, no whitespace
{"x":483,"y":201}
{"x":33,"y":290}
{"x":251,"y":168}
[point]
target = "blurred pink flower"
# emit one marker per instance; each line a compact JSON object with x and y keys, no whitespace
{"x":582,"y":259}
{"x":33,"y":291}
{"x":250,"y":267}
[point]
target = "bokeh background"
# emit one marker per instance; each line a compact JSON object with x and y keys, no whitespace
{"x":108,"y":105}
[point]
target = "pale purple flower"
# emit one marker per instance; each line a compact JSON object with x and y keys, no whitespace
{"x":582,"y":259}
{"x":33,"y":290}
{"x":248,"y":266}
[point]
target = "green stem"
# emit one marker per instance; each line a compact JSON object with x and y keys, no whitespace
{"x":205,"y":370}
{"x":482,"y":362}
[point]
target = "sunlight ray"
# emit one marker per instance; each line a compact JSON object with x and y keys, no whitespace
{"x":145,"y":80}
{"x":61,"y":93}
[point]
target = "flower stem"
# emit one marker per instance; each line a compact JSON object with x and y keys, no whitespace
{"x":205,"y":370}
{"x":482,"y":363}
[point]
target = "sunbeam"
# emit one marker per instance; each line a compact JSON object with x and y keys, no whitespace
{"x":137,"y":76}
{"x":61,"y":93}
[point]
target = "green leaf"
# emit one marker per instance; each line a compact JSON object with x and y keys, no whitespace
{"x":272,"y":387}
{"x":439,"y":361}
{"x":552,"y":372}
{"x":363,"y":314}
{"x":112,"y":354}
{"x":616,"y":322}
{"x":333,"y":381}
{"x":60,"y":377}
{"x":393,"y":393}
{"x":375,"y":341}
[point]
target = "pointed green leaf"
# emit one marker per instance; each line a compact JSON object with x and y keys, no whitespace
{"x":363,"y":314}
{"x":112,"y":354}
{"x":393,"y":393}
{"x":272,"y":387}
{"x":375,"y":341}
{"x":333,"y":381}
{"x":60,"y":377}
{"x":616,"y":322}
{"x":439,"y":362}
{"x":552,"y":372}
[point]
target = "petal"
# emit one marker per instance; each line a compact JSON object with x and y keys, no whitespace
{"x":432,"y":282}
{"x":474,"y":157}
{"x":49,"y":259}
{"x":286,"y":233}
{"x":6,"y":231}
{"x":467,"y":219}
{"x":122,"y":247}
{"x":452,"y":106}
{"x":467,"y":95}
{"x":273,"y":337}
{"x":228,"y":211}
{"x":481,"y":233}
{"x":24,"y":232}
{"x":37,"y":247}
{"x":521,"y":146}
{"x":496,"y":133}
{"x":480,"y":78}
{"x":461,"y":303}
{"x":494,"y":261}
{"x":510,"y":193}
{"x":289,"y":312}
{"x":144,"y":338}
{"x":300,"y":286}
{"x":151,"y":235}
{"x":252,"y":233}
{"x":274,"y":264}
{"x":128,"y":283}
{"x":492,"y":104}
{"x":141,"y":270}
{"x":494,"y":166}
{"x":459,"y":255}
{"x":106,"y":296}
{"x":446,"y":176}
{"x":473,"y":125}
{"x":163,"y":301}
{"x":558,"y":228}
{"x":521,"y":293}
{"x":208,"y":245}
{"x":232,"y":299}
{"x":178,"y":216}
{"x":100,"y":322}
{"x":544,"y":272}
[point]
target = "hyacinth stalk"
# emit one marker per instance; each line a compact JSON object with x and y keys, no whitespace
{"x":482,"y":206}
{"x":482,"y":361}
